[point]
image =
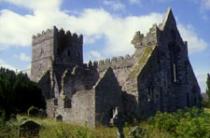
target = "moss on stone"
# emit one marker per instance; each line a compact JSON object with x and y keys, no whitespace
{"x":141,"y":62}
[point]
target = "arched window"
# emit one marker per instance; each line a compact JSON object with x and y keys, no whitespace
{"x":69,"y":53}
{"x":174,"y":58}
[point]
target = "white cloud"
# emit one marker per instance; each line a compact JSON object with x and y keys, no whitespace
{"x":134,"y":1}
{"x":195,"y":43}
{"x":23,"y":57}
{"x":93,"y":23}
{"x":205,"y":4}
{"x":116,"y":5}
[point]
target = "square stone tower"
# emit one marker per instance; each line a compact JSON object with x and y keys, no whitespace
{"x":55,"y":48}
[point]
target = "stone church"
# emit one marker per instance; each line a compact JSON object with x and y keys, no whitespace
{"x":157,"y":77}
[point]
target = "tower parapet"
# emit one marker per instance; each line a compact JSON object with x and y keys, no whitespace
{"x":68,"y":47}
{"x":40,"y":37}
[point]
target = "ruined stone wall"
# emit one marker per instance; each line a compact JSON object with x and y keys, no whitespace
{"x":82,"y":108}
{"x":121,"y":67}
{"x":115,"y":63}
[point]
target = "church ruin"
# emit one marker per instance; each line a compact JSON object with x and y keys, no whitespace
{"x":157,"y":77}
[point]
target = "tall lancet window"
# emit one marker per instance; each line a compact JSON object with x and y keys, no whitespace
{"x":174,"y":58}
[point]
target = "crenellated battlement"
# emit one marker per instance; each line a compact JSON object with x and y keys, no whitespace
{"x":75,"y":38}
{"x":115,"y":63}
{"x":91,"y":65}
{"x":40,"y":37}
{"x":57,"y":33}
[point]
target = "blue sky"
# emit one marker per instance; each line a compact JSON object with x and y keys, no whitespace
{"x":108,"y":27}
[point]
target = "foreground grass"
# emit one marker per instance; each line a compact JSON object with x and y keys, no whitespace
{"x":189,"y":123}
{"x":53,"y":129}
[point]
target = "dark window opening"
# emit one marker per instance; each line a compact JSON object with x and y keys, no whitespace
{"x":110,"y":112}
{"x":174,"y":58}
{"x":150,"y":93}
{"x":59,"y":118}
{"x":67,"y":103}
{"x":55,"y":101}
{"x":68,"y":53}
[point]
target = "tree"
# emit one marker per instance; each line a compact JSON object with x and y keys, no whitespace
{"x":18,"y":93}
{"x":208,"y":87}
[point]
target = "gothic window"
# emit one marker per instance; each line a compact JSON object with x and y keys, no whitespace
{"x":69,"y":53}
{"x":150,"y":93}
{"x":174,"y":58}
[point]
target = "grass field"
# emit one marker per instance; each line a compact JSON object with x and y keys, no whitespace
{"x":189,"y":123}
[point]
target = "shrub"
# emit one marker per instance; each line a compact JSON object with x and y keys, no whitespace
{"x":165,"y":121}
{"x":188,"y":123}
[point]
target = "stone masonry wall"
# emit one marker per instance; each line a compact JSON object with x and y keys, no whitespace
{"x":42,"y":54}
{"x":82,"y":109}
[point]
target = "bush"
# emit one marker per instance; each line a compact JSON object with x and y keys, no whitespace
{"x":165,"y":121}
{"x":188,"y":123}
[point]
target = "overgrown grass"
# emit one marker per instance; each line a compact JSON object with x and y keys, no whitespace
{"x":54,"y":129}
{"x":189,"y":123}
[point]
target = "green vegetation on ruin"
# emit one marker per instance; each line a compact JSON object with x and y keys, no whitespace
{"x":141,"y":62}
